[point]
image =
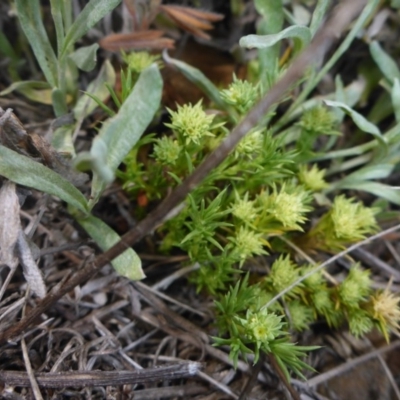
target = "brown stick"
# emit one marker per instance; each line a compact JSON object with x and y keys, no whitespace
{"x":101,"y":378}
{"x":340,"y":19}
{"x":282,"y":376}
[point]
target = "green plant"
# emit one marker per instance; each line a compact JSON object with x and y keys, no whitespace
{"x":259,"y":199}
{"x":266,"y":190}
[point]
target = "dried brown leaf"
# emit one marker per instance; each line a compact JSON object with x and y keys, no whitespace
{"x":191,"y":20}
{"x":142,"y":12}
{"x":206,"y":15}
{"x":31,"y":271}
{"x":150,"y":39}
{"x":181,"y":17}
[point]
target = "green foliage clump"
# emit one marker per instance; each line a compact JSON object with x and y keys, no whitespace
{"x":257,"y":195}
{"x":272,"y":190}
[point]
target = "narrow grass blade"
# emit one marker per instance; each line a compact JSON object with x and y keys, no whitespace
{"x":359,"y":120}
{"x":386,"y":64}
{"x":29,"y":14}
{"x":198,"y":78}
{"x":98,"y":89}
{"x":93,"y":12}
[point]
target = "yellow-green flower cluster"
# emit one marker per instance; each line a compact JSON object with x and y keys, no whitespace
{"x":138,"y":61}
{"x":191,"y":123}
{"x":318,"y":120}
{"x":352,"y":221}
{"x":288,"y":206}
{"x":244,"y":209}
{"x":312,"y":179}
{"x":283,"y":273}
{"x":167,"y":150}
{"x":360,"y":322}
{"x":262,"y":327}
{"x":300,"y":315}
{"x":345,"y":223}
{"x":386,"y":311}
{"x":355,"y":287}
{"x":241,"y":94}
{"x":247,"y":243}
{"x":250,"y":145}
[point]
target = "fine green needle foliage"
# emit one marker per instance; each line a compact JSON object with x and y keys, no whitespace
{"x":267,"y":188}
{"x":270,"y":190}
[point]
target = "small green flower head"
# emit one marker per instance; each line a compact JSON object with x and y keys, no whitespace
{"x":191,"y":123}
{"x":241,"y":94}
{"x":352,"y":221}
{"x":138,"y":61}
{"x":314,"y":281}
{"x":283,"y":273}
{"x":247,"y":243}
{"x":250,"y":145}
{"x":301,"y":315}
{"x":262,"y":327}
{"x":322,"y":302}
{"x":167,"y":150}
{"x":355,"y":287}
{"x":312,"y":179}
{"x":318,"y":120}
{"x":288,"y":206}
{"x":244,"y":209}
{"x":386,"y":310}
{"x":360,"y":322}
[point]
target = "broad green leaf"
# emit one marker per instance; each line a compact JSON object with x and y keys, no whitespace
{"x":29,"y":14}
{"x":59,"y":102}
{"x":272,"y":13}
{"x":62,"y":140}
{"x":301,"y":35}
{"x":396,"y":98}
{"x":385,"y":63}
{"x":33,"y":90}
{"x":23,"y":170}
{"x":378,"y":189}
{"x":121,"y":132}
{"x":93,"y":12}
{"x":86,"y":105}
{"x":359,"y":120}
{"x":127,"y":264}
{"x":95,"y":160}
{"x":198,"y":78}
{"x":85,"y":58}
